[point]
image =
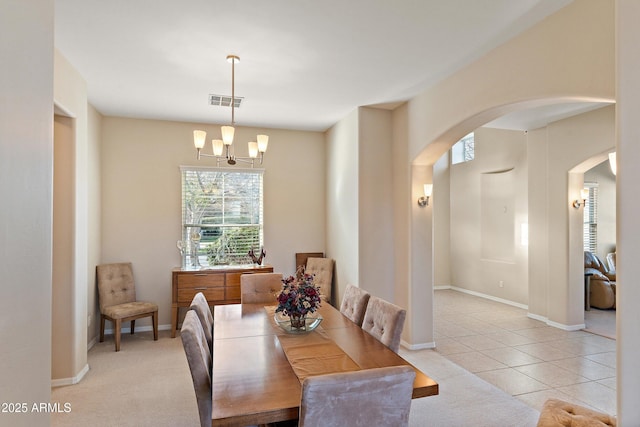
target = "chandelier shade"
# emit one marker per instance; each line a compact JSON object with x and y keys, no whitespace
{"x":223,"y":148}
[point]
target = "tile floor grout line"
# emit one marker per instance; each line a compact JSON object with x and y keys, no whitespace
{"x":460,"y":318}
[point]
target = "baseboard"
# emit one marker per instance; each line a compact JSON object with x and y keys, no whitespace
{"x":569,"y":328}
{"x":544,"y":319}
{"x":70,"y":381}
{"x":127,"y":329}
{"x":485,"y":296}
{"x":421,"y":346}
{"x":562,"y":326}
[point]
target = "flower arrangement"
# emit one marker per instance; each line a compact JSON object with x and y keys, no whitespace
{"x":299,"y":296}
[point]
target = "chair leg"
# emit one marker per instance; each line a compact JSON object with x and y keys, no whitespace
{"x":116,"y":331}
{"x":133,"y":326}
{"x":154,"y":317}
{"x":101,"y":328}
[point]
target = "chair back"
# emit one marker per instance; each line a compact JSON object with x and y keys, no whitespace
{"x":200,"y":305}
{"x":384,"y":321}
{"x":370,"y":397}
{"x":354,"y":303}
{"x":115,"y":284}
{"x":259,"y":288}
{"x":322,"y":269}
{"x":200,"y":362}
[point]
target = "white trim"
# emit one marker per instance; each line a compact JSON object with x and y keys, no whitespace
{"x":70,"y":381}
{"x":562,"y":326}
{"x":421,"y":346}
{"x":490,"y":297}
{"x":127,"y":329}
{"x":92,"y":343}
{"x":544,"y":319}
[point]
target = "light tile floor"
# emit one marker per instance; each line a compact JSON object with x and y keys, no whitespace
{"x":525,"y":357}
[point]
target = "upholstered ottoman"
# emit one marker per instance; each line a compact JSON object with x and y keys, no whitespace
{"x":557,"y":413}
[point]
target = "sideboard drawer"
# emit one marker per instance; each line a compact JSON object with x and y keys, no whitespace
{"x":198,"y":280}
{"x":211,"y":294}
{"x":232,"y":292}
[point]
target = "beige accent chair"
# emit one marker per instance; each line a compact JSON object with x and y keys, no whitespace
{"x":200,"y":305}
{"x":384,"y":321}
{"x":260,"y":288}
{"x":354,"y":303}
{"x":557,"y":413}
{"x":322,"y":270}
{"x":370,"y":397}
{"x":117,"y":296}
{"x":200,"y":362}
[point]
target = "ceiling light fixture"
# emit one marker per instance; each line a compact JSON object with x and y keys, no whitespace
{"x":256,"y":148}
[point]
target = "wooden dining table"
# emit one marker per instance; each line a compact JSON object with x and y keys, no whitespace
{"x":258,"y":366}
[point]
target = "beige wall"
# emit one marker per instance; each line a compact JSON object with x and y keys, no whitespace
{"x":342,"y":201}
{"x":574,"y":146}
{"x":26,"y":174}
{"x":360,"y":202}
{"x":375,"y":203}
{"x":141,"y":197}
{"x":94,"y":220}
{"x":70,"y":96}
{"x":488,"y":206}
{"x":62,"y":302}
{"x":628,"y":206}
{"x":551,"y":62}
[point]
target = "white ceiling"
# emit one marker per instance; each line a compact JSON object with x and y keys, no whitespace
{"x":305,"y":64}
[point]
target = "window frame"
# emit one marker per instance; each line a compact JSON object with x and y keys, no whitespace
{"x":201,"y":250}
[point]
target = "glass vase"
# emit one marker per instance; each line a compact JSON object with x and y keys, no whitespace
{"x":298,"y":321}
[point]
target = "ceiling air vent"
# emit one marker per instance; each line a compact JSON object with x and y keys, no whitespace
{"x":224,"y":100}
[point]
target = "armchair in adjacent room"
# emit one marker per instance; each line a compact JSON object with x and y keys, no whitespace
{"x":603,"y":283}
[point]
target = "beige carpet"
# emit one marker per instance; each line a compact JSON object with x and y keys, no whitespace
{"x":601,"y":322}
{"x":148,"y":384}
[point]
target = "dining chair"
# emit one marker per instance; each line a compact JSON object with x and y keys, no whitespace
{"x":384,"y":321}
{"x":354,"y":303}
{"x":322,"y":270}
{"x":200,"y":305}
{"x":369,"y":397}
{"x":200,"y":362}
{"x":117,"y":298}
{"x":258,"y":288}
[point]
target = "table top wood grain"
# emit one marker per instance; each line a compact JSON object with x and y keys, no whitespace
{"x":253,"y":381}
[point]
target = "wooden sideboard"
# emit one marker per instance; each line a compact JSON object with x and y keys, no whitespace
{"x":220,"y":285}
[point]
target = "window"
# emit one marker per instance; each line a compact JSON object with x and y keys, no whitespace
{"x":590,"y":230}
{"x":222,"y":215}
{"x":463,"y":150}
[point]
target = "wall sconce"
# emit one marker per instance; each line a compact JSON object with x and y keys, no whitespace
{"x":584,"y":195}
{"x":424,"y":200}
{"x":612,"y":162}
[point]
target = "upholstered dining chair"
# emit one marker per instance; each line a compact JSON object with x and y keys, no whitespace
{"x":370,"y":397}
{"x":117,"y":297}
{"x":258,"y":288}
{"x":384,"y":321}
{"x":200,"y":305}
{"x":354,"y":303}
{"x":322,"y":270}
{"x":199,"y":359}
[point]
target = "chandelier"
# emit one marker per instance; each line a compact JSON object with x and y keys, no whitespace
{"x":222,"y":148}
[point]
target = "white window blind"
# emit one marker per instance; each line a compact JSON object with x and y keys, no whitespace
{"x":224,"y":209}
{"x":590,"y":229}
